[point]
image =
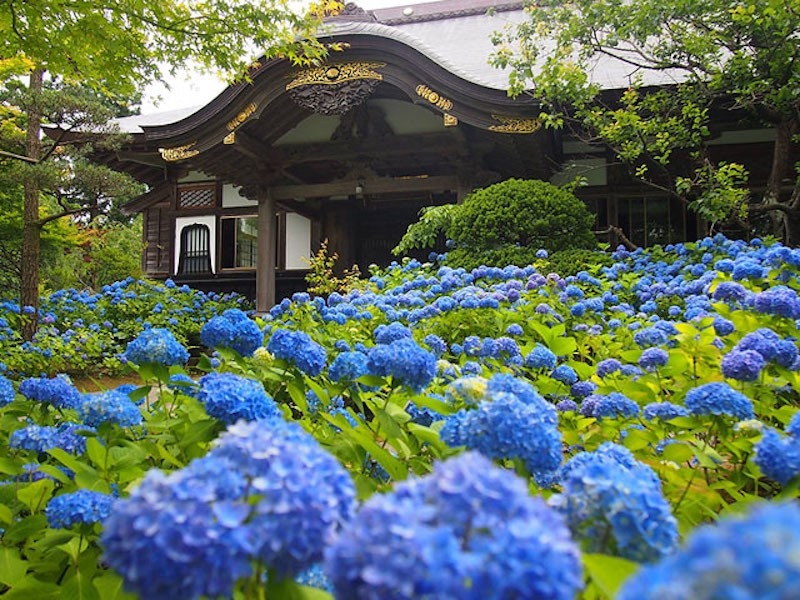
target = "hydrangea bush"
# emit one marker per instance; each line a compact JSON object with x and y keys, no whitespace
{"x":631,"y":429}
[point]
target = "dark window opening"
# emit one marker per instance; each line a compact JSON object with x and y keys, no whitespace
{"x":195,"y":256}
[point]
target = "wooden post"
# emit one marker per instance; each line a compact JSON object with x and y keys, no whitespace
{"x":265,"y":268}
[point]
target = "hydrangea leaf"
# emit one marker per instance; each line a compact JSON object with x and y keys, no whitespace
{"x":608,"y":572}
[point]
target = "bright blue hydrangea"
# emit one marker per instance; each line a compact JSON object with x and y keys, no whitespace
{"x":157,"y":346}
{"x":348,"y":366}
{"x":41,"y":438}
{"x":664,"y":411}
{"x":304,"y":495}
{"x":564,"y":374}
{"x":437,"y":345}
{"x":56,"y":391}
{"x":110,"y":406}
{"x":793,"y":428}
{"x":514,"y":329}
{"x":615,"y":405}
{"x":180,"y":535}
{"x":650,"y":336}
{"x":723,"y":327}
{"x":718,"y":398}
{"x":469,"y":530}
{"x":386,"y":334}
{"x":298,"y":348}
{"x":780,"y":301}
{"x":743,"y":557}
{"x":233,"y":329}
{"x":524,"y":391}
{"x":742,"y":365}
{"x":652,"y":358}
{"x":403,"y":360}
{"x":567,"y":405}
{"x":608,"y":366}
{"x":7,"y":392}
{"x":506,"y":427}
{"x":83,"y":506}
{"x":778,"y":457}
{"x":614,"y":504}
{"x":540,"y":358}
{"x":581,"y":389}
{"x":267,"y":491}
{"x":731,"y":292}
{"x":229,"y":397}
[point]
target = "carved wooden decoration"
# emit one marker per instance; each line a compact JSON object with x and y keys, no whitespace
{"x":335,"y":89}
{"x":179,"y":152}
{"x":515,"y":125}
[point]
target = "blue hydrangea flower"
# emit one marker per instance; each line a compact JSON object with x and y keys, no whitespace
{"x":403,"y":360}
{"x":180,"y":536}
{"x":664,"y":411}
{"x":719,"y":398}
{"x":540,"y":358}
{"x":581,"y":389}
{"x":41,"y":438}
{"x":723,"y":327}
{"x":298,"y":348}
{"x":608,"y":366}
{"x":746,"y":557}
{"x":230,"y":397}
{"x":652,"y":358}
{"x":56,"y":391}
{"x":778,"y":457}
{"x":613,"y":504}
{"x":506,"y":427}
{"x":469,"y":530}
{"x":7,"y":392}
{"x":348,"y":366}
{"x":437,"y":345}
{"x":233,"y":329}
{"x":780,"y":301}
{"x":564,"y":374}
{"x":615,"y":405}
{"x":567,"y":405}
{"x":110,"y":406}
{"x":731,"y":292}
{"x":83,"y":506}
{"x":386,"y":334}
{"x":742,"y":365}
{"x":793,"y":428}
{"x":650,"y":336}
{"x":303,"y":494}
{"x":157,"y":346}
{"x":514,"y":329}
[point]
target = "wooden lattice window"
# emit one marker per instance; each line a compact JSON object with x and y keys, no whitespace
{"x":195,"y":256}
{"x":197,"y":196}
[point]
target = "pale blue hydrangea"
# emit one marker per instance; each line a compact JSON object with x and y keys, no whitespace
{"x":469,"y":530}
{"x":615,"y":405}
{"x":564,"y":374}
{"x":664,"y":411}
{"x":742,"y":557}
{"x":386,"y":334}
{"x":540,"y":358}
{"x":348,"y":366}
{"x":41,"y":438}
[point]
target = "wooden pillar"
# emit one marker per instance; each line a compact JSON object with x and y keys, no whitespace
{"x":265,"y":268}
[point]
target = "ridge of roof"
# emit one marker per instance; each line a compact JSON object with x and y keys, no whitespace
{"x":441,"y":10}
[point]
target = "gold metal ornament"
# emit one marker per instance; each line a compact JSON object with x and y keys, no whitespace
{"x":423,"y":91}
{"x":179,"y":152}
{"x":515,"y":125}
{"x":339,"y":73}
{"x":242,"y":116}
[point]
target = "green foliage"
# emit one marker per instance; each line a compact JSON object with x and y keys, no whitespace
{"x":570,"y":262}
{"x":433,"y":221}
{"x":529,"y":213}
{"x":711,"y":54}
{"x":321,"y":278}
{"x":107,"y":254}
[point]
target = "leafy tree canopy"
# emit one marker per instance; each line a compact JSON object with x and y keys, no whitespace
{"x":714,"y":55}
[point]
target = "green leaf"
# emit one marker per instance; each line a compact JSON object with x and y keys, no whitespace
{"x":110,"y":587}
{"x":390,"y":427}
{"x":33,"y":588}
{"x":678,"y":453}
{"x":12,"y":567}
{"x":287,"y":589}
{"x":80,"y":587}
{"x":608,"y":572}
{"x":35,"y":495}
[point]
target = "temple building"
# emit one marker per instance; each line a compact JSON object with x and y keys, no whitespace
{"x":243,"y":190}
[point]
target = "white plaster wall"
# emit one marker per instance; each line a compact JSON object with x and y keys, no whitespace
{"x":231,"y":198}
{"x":298,"y":241}
{"x":208,"y":220}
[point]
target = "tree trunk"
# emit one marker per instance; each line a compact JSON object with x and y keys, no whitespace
{"x":781,"y":168}
{"x":31,"y":228}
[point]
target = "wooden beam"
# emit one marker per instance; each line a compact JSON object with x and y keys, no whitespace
{"x":383,"y":185}
{"x":151,"y":159}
